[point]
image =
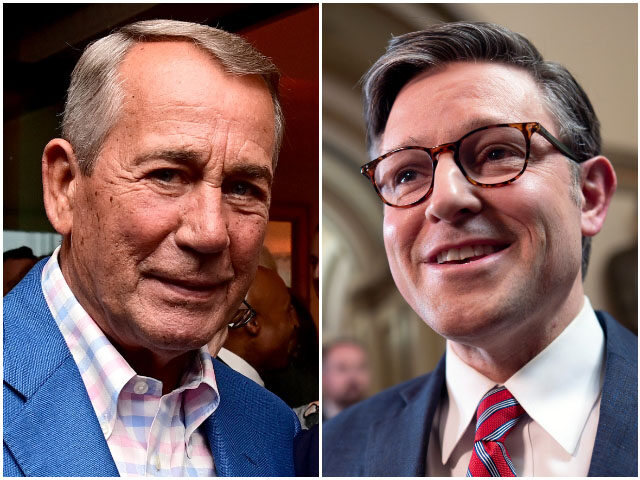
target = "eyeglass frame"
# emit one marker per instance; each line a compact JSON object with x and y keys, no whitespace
{"x":527,"y":129}
{"x":248,"y":316}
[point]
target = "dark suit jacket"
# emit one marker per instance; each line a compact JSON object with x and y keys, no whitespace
{"x":50,"y":428}
{"x":388,"y":434}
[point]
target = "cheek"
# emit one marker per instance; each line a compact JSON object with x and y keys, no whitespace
{"x":545,"y":209}
{"x":140,"y":224}
{"x":246,"y":235}
{"x":401,"y":228}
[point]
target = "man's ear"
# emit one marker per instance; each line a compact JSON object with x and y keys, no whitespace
{"x":253,"y":327}
{"x":598,"y":185}
{"x":59,"y":176}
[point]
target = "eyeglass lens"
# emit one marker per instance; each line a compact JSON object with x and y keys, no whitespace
{"x":241,"y":317}
{"x":488,"y":156}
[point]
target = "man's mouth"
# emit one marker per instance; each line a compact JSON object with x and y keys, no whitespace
{"x":194,"y":288}
{"x":466,"y":254}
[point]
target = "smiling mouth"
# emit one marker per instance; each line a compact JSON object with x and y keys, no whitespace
{"x":196,"y":289}
{"x":467,"y":254}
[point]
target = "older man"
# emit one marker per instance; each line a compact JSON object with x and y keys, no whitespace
{"x":160,"y":187}
{"x":488,"y":161}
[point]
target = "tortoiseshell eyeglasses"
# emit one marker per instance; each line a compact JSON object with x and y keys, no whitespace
{"x":491,"y":156}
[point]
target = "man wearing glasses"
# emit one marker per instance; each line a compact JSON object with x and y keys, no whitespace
{"x":487,"y":159}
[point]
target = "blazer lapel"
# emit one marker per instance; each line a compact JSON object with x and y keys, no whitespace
{"x":615,"y":452}
{"x":397,"y":445}
{"x":57,"y":430}
{"x":233,"y":458}
{"x":231,"y":427}
{"x":49,"y":423}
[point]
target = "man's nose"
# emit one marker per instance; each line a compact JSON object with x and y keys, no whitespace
{"x":204,"y":224}
{"x":453,"y":196}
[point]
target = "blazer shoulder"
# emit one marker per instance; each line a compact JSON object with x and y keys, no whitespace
{"x":615,"y":452}
{"x":355,"y":434}
{"x":33,"y":346}
{"x":620,"y":341}
{"x":382,"y":404}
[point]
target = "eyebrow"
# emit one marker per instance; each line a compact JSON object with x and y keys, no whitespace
{"x":257,"y":172}
{"x":247,"y":170}
{"x":178,"y":156}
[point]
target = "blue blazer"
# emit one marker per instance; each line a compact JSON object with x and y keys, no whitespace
{"x":388,"y":434}
{"x":50,"y":428}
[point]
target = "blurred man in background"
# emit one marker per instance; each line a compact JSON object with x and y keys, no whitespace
{"x":268,"y":340}
{"x":15,"y":265}
{"x":346,"y":376}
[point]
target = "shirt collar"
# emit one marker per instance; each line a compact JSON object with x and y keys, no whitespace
{"x":557,"y":388}
{"x":104,"y":370}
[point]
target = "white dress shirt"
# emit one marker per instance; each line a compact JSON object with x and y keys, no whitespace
{"x":240,"y":365}
{"x":560,"y":391}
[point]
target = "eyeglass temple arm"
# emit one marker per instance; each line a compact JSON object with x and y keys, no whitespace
{"x":558,"y":144}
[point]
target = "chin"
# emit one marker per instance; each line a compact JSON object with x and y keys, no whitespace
{"x":463,"y":324}
{"x":180,"y":339}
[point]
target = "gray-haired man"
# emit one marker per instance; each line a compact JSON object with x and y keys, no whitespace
{"x":160,"y":187}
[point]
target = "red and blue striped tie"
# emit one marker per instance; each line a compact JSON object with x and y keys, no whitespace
{"x":498,"y":412}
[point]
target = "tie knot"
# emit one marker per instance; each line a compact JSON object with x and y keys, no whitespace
{"x":498,"y":412}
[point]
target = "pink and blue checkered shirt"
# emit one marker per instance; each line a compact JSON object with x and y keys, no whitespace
{"x":149,"y":434}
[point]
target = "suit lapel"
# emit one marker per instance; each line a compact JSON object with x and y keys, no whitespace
{"x":233,"y":458}
{"x":230,"y":428}
{"x":397,"y":445}
{"x":57,"y":430}
{"x":616,"y":447}
{"x":49,"y":422}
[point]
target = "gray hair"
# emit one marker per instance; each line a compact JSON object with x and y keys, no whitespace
{"x":95,"y":96}
{"x":413,"y":53}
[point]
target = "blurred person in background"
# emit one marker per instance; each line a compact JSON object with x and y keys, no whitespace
{"x":488,"y":161}
{"x":267,"y":341}
{"x":297,"y":383}
{"x":314,"y":260}
{"x":346,"y":376}
{"x":15,"y":265}
{"x":271,"y":347}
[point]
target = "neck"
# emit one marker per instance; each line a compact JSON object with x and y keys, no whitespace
{"x":501,"y":355}
{"x":169,"y":372}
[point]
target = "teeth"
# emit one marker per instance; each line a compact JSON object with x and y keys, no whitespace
{"x":465,"y":252}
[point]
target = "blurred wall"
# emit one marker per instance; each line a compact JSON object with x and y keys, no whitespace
{"x":598,"y":43}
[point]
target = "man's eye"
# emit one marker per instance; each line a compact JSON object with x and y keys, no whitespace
{"x":406,"y":176}
{"x":242,"y":189}
{"x":165,"y":175}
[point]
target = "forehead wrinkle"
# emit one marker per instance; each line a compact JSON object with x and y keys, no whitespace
{"x":477,"y":105}
{"x":466,"y":125}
